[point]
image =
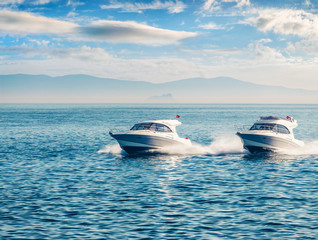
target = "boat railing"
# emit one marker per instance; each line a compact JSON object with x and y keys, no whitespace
{"x":118,"y":129}
{"x":245,"y":128}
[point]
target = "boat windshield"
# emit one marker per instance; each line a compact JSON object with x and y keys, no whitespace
{"x":271,"y":127}
{"x":157,"y":127}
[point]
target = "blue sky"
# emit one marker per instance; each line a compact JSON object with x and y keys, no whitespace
{"x":260,"y":41}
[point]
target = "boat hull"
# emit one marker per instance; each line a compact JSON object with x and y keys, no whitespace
{"x":266,"y":143}
{"x":134,"y":143}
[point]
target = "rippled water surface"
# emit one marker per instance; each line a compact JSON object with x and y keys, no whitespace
{"x":63,"y":177}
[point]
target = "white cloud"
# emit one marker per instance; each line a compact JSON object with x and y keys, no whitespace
{"x":214,"y":5}
{"x":210,"y":5}
{"x":74,"y":3}
{"x":83,"y":53}
{"x":286,"y":22}
{"x":171,"y":6}
{"x":33,"y":2}
{"x":214,"y":52}
{"x":242,"y":3}
{"x":132,"y":32}
{"x":41,"y":2}
{"x":9,"y":2}
{"x":289,"y":22}
{"x":265,"y":54}
{"x":308,"y":3}
{"x":26,"y":23}
{"x":40,"y":43}
{"x":23,"y":23}
{"x":307,"y":46}
{"x":211,"y":26}
{"x":269,"y":67}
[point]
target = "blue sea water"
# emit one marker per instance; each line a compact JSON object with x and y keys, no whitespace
{"x":63,"y":177}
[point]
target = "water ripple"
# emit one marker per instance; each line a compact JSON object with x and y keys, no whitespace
{"x":56,"y":184}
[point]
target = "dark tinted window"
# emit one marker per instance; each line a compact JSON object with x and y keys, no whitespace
{"x":269,"y":127}
{"x":152,"y":127}
{"x":162,"y":128}
{"x":141,"y":126}
{"x":282,"y":129}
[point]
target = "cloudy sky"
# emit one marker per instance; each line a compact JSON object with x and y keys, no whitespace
{"x":261,"y":41}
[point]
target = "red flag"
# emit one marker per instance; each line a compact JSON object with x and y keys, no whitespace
{"x":178,"y":116}
{"x":287,"y":117}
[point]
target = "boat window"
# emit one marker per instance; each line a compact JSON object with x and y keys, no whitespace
{"x":162,"y":128}
{"x":152,"y":127}
{"x":268,"y":127}
{"x":271,"y":127}
{"x":141,"y":126}
{"x":282,"y":129}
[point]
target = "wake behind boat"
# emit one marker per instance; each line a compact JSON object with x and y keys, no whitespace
{"x":270,"y":134}
{"x":150,"y":135}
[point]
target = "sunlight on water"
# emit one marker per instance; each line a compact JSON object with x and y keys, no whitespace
{"x":63,"y":177}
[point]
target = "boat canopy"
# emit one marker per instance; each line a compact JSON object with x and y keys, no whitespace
{"x":288,"y":122}
{"x":270,"y":118}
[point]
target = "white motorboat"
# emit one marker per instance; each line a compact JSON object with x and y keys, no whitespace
{"x":150,"y":135}
{"x":270,"y":134}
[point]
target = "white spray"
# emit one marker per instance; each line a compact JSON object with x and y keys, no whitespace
{"x":221,"y":145}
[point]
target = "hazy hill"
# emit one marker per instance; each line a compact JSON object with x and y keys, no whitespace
{"x":83,"y":88}
{"x":164,"y":98}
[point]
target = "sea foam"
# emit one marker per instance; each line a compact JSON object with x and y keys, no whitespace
{"x":309,"y":148}
{"x":221,"y":145}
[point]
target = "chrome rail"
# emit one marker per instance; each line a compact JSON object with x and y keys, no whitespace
{"x":242,"y":128}
{"x":117,"y":130}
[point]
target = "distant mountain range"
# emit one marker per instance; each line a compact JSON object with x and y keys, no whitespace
{"x":23,"y":88}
